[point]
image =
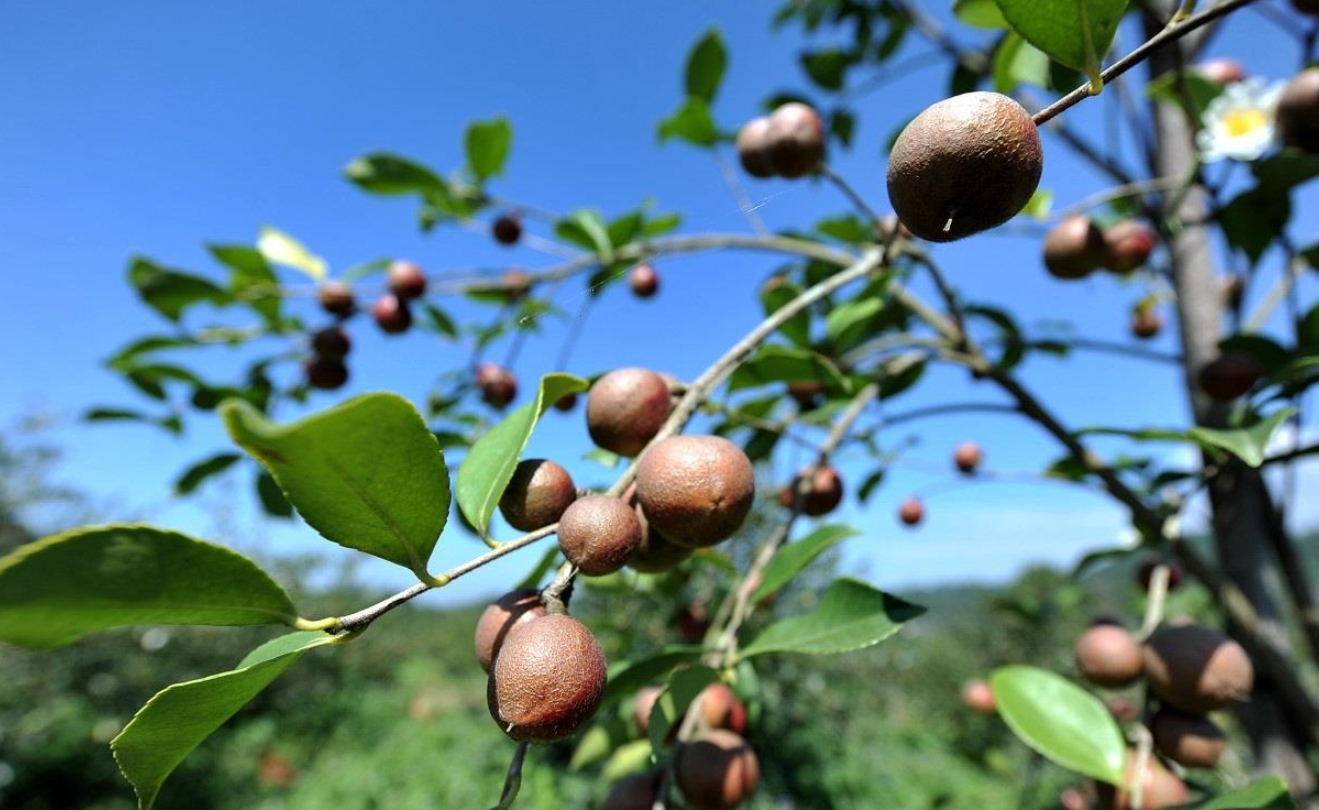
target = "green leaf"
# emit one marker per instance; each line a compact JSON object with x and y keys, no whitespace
{"x":1058,"y":27}
{"x":661,"y":225}
{"x":123,"y":359}
{"x":605,"y":458}
{"x":489,"y":465}
{"x":785,"y":364}
{"x":671,"y":705}
{"x":1038,"y":206}
{"x":488,"y":144}
{"x":1018,"y":62}
{"x":251,"y":279}
{"x":1254,"y":219}
{"x":850,"y":229}
{"x":628,"y":758}
{"x":58,"y":589}
{"x":828,"y":67}
{"x":180,"y":717}
{"x":1247,"y":444}
{"x":388,"y":174}
{"x":851,"y":616}
{"x":586,"y":229}
{"x":1061,"y":721}
{"x":626,"y":677}
{"x":795,"y":556}
{"x":548,"y":560}
{"x":847,"y":323}
{"x":706,"y":63}
{"x":980,"y":14}
{"x":282,"y":249}
{"x":199,"y":472}
{"x":272,"y":498}
{"x":692,"y":122}
{"x":367,"y":474}
{"x":798,"y":327}
{"x":1167,"y":89}
{"x":601,"y":739}
{"x":170,"y":292}
{"x":1269,"y":793}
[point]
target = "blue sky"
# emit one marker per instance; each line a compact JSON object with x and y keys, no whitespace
{"x":153,"y":127}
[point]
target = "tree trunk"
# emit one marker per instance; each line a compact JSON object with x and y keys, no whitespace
{"x":1241,"y":503}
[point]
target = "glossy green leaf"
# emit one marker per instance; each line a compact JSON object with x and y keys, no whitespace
{"x":692,"y":122}
{"x":282,"y":249}
{"x":586,"y":229}
{"x":827,"y":67}
{"x":366,"y":474}
{"x":388,"y":174}
{"x":980,"y":14}
{"x":180,"y":717}
{"x":489,"y":465}
{"x":706,"y":63}
{"x":1061,"y":721}
{"x":488,"y":144}
{"x":847,"y":323}
{"x":1269,"y":793}
{"x":1253,"y":220}
{"x":271,"y":496}
{"x":170,"y":292}
{"x":798,"y":327}
{"x":1017,"y":62}
{"x":600,"y":740}
{"x":1058,"y":27}
{"x":197,"y":474}
{"x":628,"y":758}
{"x":58,"y":589}
{"x":792,"y":558}
{"x":626,"y":677}
{"x":682,"y":688}
{"x":1247,"y":444}
{"x":785,"y":364}
{"x":251,"y":279}
{"x":851,"y":616}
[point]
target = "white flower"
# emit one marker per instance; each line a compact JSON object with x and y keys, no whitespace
{"x":1239,"y":124}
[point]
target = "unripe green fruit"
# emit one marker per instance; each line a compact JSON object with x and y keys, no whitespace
{"x":1190,"y":740}
{"x":635,"y":792}
{"x":794,"y":142}
{"x":391,"y":314}
{"x":654,"y":554}
{"x":1230,"y":376}
{"x":964,"y":165}
{"x":1109,"y":656}
{"x":751,"y":143}
{"x":695,"y":490}
{"x":547,"y":680}
{"x":718,"y":771}
{"x":1298,"y":111}
{"x":537,"y":495}
{"x":336,"y":298}
{"x":1160,"y":788}
{"x":501,"y":618}
{"x":1197,"y":669}
{"x":1074,"y":249}
{"x":824,"y":491}
{"x":626,"y":408}
{"x":406,"y":280}
{"x":598,"y":534}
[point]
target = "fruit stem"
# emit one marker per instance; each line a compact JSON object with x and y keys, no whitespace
{"x":512,"y":782}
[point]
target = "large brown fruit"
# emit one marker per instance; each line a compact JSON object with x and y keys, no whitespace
{"x":1109,"y":656}
{"x":1298,"y":111}
{"x":635,"y":792}
{"x":654,"y":554}
{"x":1230,"y":376}
{"x":964,"y":165}
{"x":537,"y":495}
{"x":1190,"y":740}
{"x":695,"y":490}
{"x":718,"y":771}
{"x":547,"y":681}
{"x":824,"y":491}
{"x":1197,"y":669}
{"x":794,"y":143}
{"x":626,"y":408}
{"x":1130,"y":244}
{"x":406,"y":280}
{"x":598,"y":534}
{"x":505,"y":614}
{"x":1074,"y":248}
{"x":1160,"y":787}
{"x":751,"y":143}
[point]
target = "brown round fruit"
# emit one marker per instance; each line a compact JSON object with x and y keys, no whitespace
{"x":1146,"y":324}
{"x":968,"y":457}
{"x":824,"y":491}
{"x":1109,"y":656}
{"x":635,"y":792}
{"x":507,"y":229}
{"x":751,"y":143}
{"x":337,"y":299}
{"x":1190,"y":740}
{"x":964,"y":165}
{"x":547,"y":681}
{"x":911,"y":512}
{"x":695,"y":490}
{"x":1074,"y":249}
{"x":537,"y":495}
{"x":501,"y":618}
{"x":516,"y":284}
{"x":331,"y":342}
{"x":406,"y":280}
{"x":717,"y":771}
{"x":392,"y":315}
{"x":979,"y":697}
{"x":598,"y":534}
{"x":497,"y":384}
{"x":565,"y":403}
{"x":644,"y":281}
{"x":795,"y":140}
{"x":1130,"y":244}
{"x":1225,"y":71}
{"x":654,"y":554}
{"x":1298,"y":111}
{"x":806,"y":393}
{"x":326,"y":373}
{"x":626,"y":408}
{"x":721,"y":708}
{"x":1230,"y":376}
{"x":1197,"y":669}
{"x":1160,"y":788}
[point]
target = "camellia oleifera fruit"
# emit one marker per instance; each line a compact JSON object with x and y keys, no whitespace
{"x":507,"y":229}
{"x":752,"y":141}
{"x":1190,"y":740}
{"x":1197,"y":669}
{"x":406,"y":280}
{"x":626,"y":408}
{"x":794,"y":142}
{"x":1230,"y":375}
{"x":911,"y":512}
{"x":1226,"y":71}
{"x":598,"y":534}
{"x":1074,"y":248}
{"x":497,"y":384}
{"x":635,"y":792}
{"x":695,"y":490}
{"x":331,"y":342}
{"x":823,"y":491}
{"x":547,"y":680}
{"x":391,"y":314}
{"x":1159,"y":787}
{"x":499,"y":620}
{"x":654,"y":554}
{"x":1298,"y":111}
{"x":326,"y":373}
{"x":1108,"y":655}
{"x":1130,"y":244}
{"x":717,"y":771}
{"x":964,"y":165}
{"x":1146,"y":324}
{"x":967,"y":457}
{"x":537,"y":495}
{"x":644,"y":281}
{"x":336,"y":298}
{"x":978,"y":696}
{"x":806,"y":393}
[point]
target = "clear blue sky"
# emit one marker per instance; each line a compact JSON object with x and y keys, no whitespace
{"x":152,"y":127}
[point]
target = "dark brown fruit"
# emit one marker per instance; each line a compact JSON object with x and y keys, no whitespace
{"x":537,"y":495}
{"x":635,"y":792}
{"x":968,"y":457}
{"x":1197,"y":669}
{"x":1226,"y":71}
{"x":1146,"y":324}
{"x":1074,"y":249}
{"x":406,"y":280}
{"x":1230,"y":376}
{"x":507,"y":229}
{"x":565,"y":403}
{"x":1109,"y":656}
{"x":331,"y":342}
{"x":506,"y":614}
{"x":654,"y":554}
{"x":911,"y":512}
{"x":497,"y":384}
{"x":547,"y":680}
{"x":1146,"y":573}
{"x":1306,"y":6}
{"x":752,"y":141}
{"x":717,"y":771}
{"x":720,"y":708}
{"x":1298,"y":111}
{"x":824,"y":491}
{"x":644,"y":280}
{"x":1130,"y":244}
{"x":626,"y":408}
{"x":795,"y":140}
{"x":1160,"y":788}
{"x":964,"y":165}
{"x":1190,"y":740}
{"x":695,"y":490}
{"x":979,"y":697}
{"x":326,"y":373}
{"x":598,"y":534}
{"x":642,"y":706}
{"x":516,"y":284}
{"x":806,"y":393}
{"x":391,"y":315}
{"x":693,"y":622}
{"x":337,"y":299}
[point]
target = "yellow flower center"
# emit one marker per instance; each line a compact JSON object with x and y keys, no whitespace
{"x":1244,"y":122}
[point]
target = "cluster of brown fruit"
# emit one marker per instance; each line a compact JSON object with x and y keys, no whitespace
{"x":716,"y":770}
{"x":507,"y":230}
{"x":1075,"y":247}
{"x":787,"y":143}
{"x":326,"y":369}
